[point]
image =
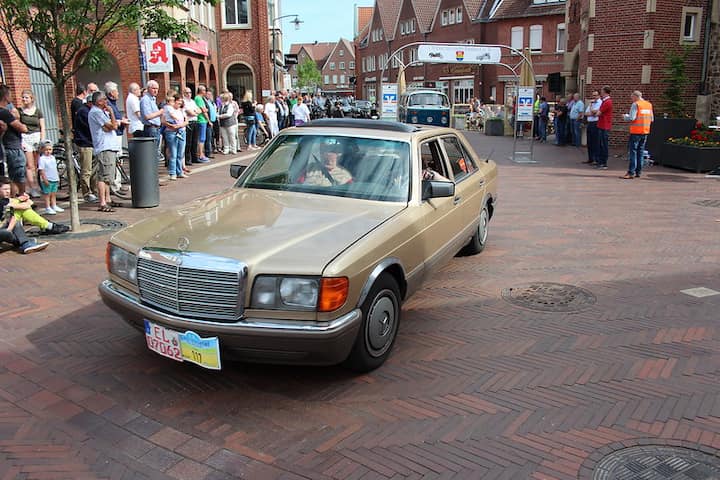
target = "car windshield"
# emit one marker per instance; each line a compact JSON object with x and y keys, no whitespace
{"x":428,"y":99}
{"x":366,"y":168}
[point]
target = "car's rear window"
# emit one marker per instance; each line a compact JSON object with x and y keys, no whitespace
{"x":365,"y":168}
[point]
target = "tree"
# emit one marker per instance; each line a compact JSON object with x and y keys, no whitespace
{"x":308,"y":74}
{"x":676,"y":79}
{"x":71,"y":33}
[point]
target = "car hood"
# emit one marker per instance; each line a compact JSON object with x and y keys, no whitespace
{"x":276,"y":232}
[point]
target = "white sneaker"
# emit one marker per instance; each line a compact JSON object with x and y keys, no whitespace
{"x":90,"y":198}
{"x":49,"y":211}
{"x":58,"y":209}
{"x":172,"y":177}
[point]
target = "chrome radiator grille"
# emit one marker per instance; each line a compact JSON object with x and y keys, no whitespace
{"x":192,"y":285}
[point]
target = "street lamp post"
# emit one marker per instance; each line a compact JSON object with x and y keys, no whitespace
{"x":296,"y":21}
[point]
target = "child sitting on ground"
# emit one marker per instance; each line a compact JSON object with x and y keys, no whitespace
{"x":49,"y":178}
{"x":11,"y":229}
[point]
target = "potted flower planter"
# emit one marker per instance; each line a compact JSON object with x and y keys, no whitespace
{"x":661,"y":130}
{"x":690,"y":157}
{"x":494,"y":127}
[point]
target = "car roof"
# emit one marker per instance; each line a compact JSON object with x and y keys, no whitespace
{"x":369,"y":128}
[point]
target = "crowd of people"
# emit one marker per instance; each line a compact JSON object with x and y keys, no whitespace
{"x":571,"y":113}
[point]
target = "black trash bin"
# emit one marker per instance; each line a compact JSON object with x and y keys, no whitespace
{"x":144,"y":184}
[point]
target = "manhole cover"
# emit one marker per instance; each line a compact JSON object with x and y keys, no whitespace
{"x":549,"y":297}
{"x":708,"y":203}
{"x":658,"y":463}
{"x":102,"y":226}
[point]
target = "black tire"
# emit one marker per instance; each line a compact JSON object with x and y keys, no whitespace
{"x":479,"y":239}
{"x":381,"y":320}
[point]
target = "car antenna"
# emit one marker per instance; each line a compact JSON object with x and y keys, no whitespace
{"x":487,"y":160}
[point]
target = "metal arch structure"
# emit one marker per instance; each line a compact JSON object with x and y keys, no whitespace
{"x":517,"y":156}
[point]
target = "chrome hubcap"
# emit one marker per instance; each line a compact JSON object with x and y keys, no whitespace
{"x":380,"y":325}
{"x":483,"y":226}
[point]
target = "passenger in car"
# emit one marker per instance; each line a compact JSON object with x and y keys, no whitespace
{"x":429,"y":172}
{"x":327,"y":173}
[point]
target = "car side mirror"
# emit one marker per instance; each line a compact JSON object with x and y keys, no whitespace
{"x":436,"y":189}
{"x":236,"y":170}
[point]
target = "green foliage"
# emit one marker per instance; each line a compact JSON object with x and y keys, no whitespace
{"x":676,"y":79}
{"x":66,"y":29}
{"x":308,"y":74}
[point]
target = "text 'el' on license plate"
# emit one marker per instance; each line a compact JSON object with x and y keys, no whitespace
{"x":183,"y":347}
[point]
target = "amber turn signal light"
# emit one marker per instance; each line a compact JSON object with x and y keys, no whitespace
{"x":333,"y":293}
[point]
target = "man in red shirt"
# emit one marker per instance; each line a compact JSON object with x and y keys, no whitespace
{"x":604,"y":125}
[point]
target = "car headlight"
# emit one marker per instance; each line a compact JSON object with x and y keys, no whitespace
{"x":414,"y":119}
{"x":122,"y":263}
{"x":285,"y":293}
{"x":443,"y":120}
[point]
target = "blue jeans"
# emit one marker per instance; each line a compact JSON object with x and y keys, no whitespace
{"x":592,"y":142}
{"x":636,"y":146}
{"x":251,"y":131}
{"x":542,"y":128}
{"x":602,"y":143}
{"x":575,"y":127}
{"x":175,"y":142}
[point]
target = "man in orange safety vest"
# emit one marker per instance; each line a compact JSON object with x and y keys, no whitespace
{"x":640,"y":118}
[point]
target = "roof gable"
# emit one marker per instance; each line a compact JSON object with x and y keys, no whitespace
{"x":425,"y":11}
{"x":389,"y":11}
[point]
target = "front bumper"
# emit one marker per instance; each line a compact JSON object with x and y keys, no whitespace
{"x":252,"y":339}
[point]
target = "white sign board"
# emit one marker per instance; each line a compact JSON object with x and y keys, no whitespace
{"x":458,"y":54}
{"x":158,"y":55}
{"x":525,"y":104}
{"x":389,"y":101}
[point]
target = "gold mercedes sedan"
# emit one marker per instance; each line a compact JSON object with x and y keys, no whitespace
{"x":309,"y":257}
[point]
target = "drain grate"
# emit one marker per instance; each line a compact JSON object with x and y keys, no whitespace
{"x":104,"y":225}
{"x":549,"y":297}
{"x":707,"y":203}
{"x":653,"y":462}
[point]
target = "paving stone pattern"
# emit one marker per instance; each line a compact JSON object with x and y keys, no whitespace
{"x":476,"y":387}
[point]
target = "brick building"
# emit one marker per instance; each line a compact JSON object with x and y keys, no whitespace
{"x":318,"y":52}
{"x":538,"y":24}
{"x":222,"y":54}
{"x":338,"y":68}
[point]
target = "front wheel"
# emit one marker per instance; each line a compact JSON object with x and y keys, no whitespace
{"x":381,"y":319}
{"x":479,"y":239}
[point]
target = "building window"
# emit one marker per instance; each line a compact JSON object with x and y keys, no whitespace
{"x":451,"y":17}
{"x":458,"y":15}
{"x":402,"y":28}
{"x":536,"y":38}
{"x":444,"y":18}
{"x":342,"y":53}
{"x":334,"y":79}
{"x":516,"y":39}
{"x":342,"y":79}
{"x":326,"y":79}
{"x":342,"y":66}
{"x":463,"y":91}
{"x":560,"y":47}
{"x":351,"y":65}
{"x":690,"y":31}
{"x":235,"y":13}
{"x":542,"y":2}
{"x":412,"y":25}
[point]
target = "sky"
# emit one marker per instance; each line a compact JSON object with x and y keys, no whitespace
{"x":323,"y":20}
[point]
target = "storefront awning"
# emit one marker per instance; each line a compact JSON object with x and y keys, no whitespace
{"x":199,"y":47}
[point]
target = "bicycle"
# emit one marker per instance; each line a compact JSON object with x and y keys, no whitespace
{"x":62,"y":166}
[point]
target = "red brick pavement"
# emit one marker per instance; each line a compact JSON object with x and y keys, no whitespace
{"x":476,"y":387}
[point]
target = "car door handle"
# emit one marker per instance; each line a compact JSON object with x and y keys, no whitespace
{"x":456,"y":200}
{"x":481,"y":182}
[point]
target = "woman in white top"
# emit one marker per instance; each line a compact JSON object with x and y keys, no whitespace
{"x":271,"y":116}
{"x":227,"y":115}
